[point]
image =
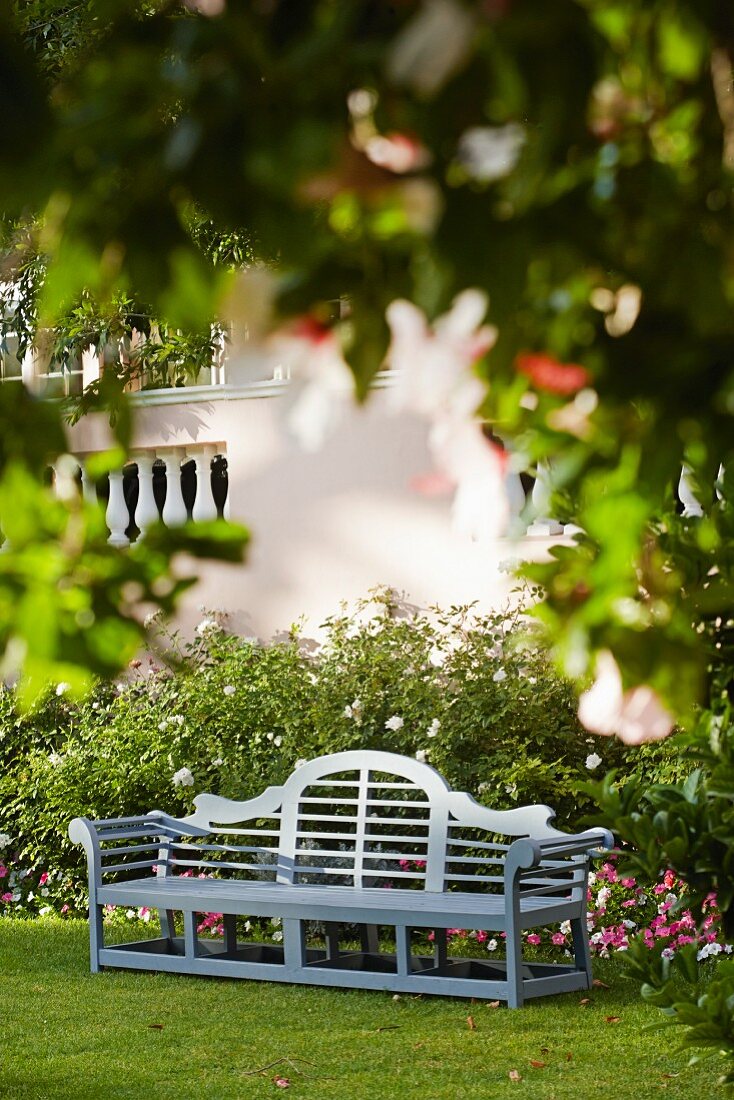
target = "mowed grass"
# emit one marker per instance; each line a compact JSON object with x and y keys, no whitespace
{"x":67,"y":1033}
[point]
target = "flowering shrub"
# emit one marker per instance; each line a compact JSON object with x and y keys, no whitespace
{"x":620,"y":910}
{"x":474,"y":695}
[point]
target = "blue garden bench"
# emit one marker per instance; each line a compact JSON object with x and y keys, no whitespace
{"x":361,"y":838}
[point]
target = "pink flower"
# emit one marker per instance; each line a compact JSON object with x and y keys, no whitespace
{"x":324,"y":382}
{"x":635,"y":716}
{"x":546,"y":373}
{"x":7,"y":897}
{"x":433,"y":364}
{"x":558,"y":939}
{"x":482,"y":936}
{"x":435,"y":378}
{"x":64,"y":908}
{"x":43,"y":879}
{"x":397,"y":152}
{"x":534,"y":939}
{"x":628,"y":883}
{"x":3,"y":870}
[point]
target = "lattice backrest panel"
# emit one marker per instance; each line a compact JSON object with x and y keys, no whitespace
{"x":478,"y":839}
{"x":242,"y":839}
{"x":364,"y":818}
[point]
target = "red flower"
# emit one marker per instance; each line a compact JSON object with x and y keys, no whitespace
{"x":546,"y":373}
{"x":308,"y":328}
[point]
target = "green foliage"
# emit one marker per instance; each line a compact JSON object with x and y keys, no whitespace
{"x":688,"y":828}
{"x":472,"y":694}
{"x":697,"y":999}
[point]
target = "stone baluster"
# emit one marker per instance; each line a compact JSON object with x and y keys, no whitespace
{"x":515,"y":495}
{"x":117,"y":515}
{"x":174,"y":509}
{"x":542,"y":524}
{"x":204,"y":507}
{"x":89,"y":487}
{"x":719,"y":482}
{"x":65,"y":470}
{"x":146,"y":510}
{"x":691,"y":505}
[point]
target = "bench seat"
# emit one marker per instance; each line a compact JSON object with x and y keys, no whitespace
{"x":416,"y":908}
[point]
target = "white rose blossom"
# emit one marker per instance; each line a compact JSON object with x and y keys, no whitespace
{"x":395,"y":723}
{"x":434,"y":728}
{"x":206,"y":626}
{"x":228,"y":690}
{"x":183,"y":778}
{"x":62,"y":688}
{"x":422,"y":756}
{"x":499,"y":676}
{"x":593,"y":760}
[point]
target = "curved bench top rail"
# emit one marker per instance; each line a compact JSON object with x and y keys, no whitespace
{"x":357,"y":818}
{"x":366,"y":817}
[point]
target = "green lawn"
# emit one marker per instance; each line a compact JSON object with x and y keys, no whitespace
{"x":66,"y":1033}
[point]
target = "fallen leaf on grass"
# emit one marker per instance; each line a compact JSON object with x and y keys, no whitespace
{"x":493,"y":1004}
{"x":155,"y":1027}
{"x":282,"y":1082}
{"x":600,"y":985}
{"x":514,"y":1075}
{"x":389,"y":1027}
{"x":545,"y":1050}
{"x":537,"y":1065}
{"x":585,"y":1001}
{"x":669,"y":1076}
{"x":569,"y":1056}
{"x":613,"y":1019}
{"x":470,"y":1023}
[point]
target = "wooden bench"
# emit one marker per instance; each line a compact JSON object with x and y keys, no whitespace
{"x":360,"y":838}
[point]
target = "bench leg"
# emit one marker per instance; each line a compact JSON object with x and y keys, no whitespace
{"x":513,"y":952}
{"x":294,"y":944}
{"x":96,"y":936}
{"x":167,"y":923}
{"x":581,"y":952}
{"x":332,"y":940}
{"x":369,"y":935}
{"x":229,"y":920}
{"x":402,"y":945}
{"x":191,"y":941}
{"x":440,"y":954}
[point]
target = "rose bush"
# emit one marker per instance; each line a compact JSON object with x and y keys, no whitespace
{"x":473,"y":694}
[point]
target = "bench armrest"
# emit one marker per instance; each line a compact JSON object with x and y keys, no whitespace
{"x":553,"y":864}
{"x":149,"y":834}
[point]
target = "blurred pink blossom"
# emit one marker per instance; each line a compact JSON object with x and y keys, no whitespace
{"x":435,"y":378}
{"x":635,"y":716}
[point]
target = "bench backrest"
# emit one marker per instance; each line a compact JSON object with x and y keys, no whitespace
{"x":360,"y":818}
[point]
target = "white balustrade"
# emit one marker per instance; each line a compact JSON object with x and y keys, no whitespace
{"x":146,"y":509}
{"x":542,"y":524}
{"x":174,"y":509}
{"x":89,"y":487}
{"x":205,"y":508}
{"x":117,"y":515}
{"x":691,"y":505}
